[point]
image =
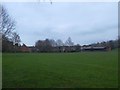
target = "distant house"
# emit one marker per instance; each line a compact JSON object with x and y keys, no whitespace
{"x":69,"y":48}
{"x":90,"y":48}
{"x":65,"y":49}
{"x":33,"y":49}
{"x":24,"y":48}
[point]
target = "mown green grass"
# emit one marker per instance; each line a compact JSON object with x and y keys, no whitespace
{"x":60,"y":70}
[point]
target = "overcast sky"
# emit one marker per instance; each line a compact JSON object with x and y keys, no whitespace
{"x":85,"y":23}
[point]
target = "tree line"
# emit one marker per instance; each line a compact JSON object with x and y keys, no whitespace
{"x":48,"y":44}
{"x":113,"y":44}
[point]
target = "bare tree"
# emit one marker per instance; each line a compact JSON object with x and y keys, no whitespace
{"x":43,"y":45}
{"x":16,"y":38}
{"x":69,"y":42}
{"x":59,"y":42}
{"x":7,"y":25}
{"x":53,"y":42}
{"x":10,"y":39}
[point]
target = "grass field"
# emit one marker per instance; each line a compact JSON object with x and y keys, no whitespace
{"x":62,"y":70}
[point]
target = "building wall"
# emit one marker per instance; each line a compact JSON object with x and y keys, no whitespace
{"x":25,"y":49}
